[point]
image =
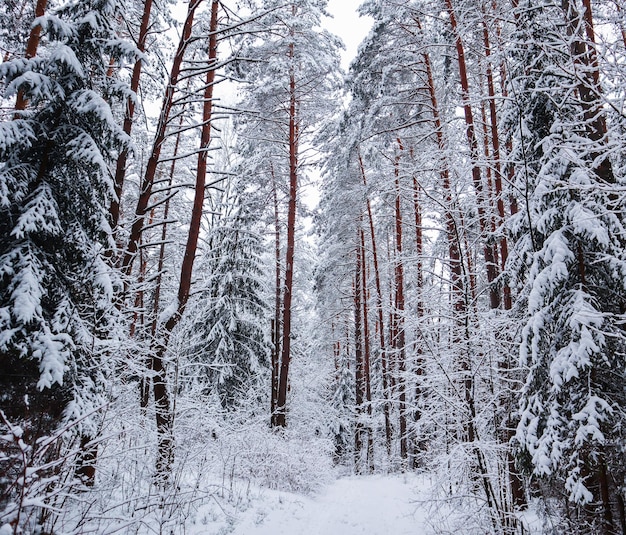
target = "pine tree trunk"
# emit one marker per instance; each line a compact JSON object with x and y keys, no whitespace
{"x":159,"y":138}
{"x":31,"y":50}
{"x":165,"y":417}
{"x":276,"y":346}
{"x":367,"y":356}
{"x":589,"y":86}
{"x":515,"y":481}
{"x":459,"y":298}
{"x":359,"y":364}
{"x":399,"y":340}
{"x":497,"y":160}
{"x":381,"y":321}
{"x":281,"y":406}
{"x":418,"y":445}
{"x":488,"y":249}
{"x":120,"y":170}
{"x":456,"y":272}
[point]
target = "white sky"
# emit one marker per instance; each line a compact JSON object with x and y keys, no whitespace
{"x":348,"y":25}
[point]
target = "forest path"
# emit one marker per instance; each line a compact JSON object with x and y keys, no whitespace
{"x":367,"y":505}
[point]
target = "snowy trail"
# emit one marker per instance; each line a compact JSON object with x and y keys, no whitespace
{"x":373,"y":505}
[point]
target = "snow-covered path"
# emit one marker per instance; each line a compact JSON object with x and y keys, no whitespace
{"x":373,"y":505}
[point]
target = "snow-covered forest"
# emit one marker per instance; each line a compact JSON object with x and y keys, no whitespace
{"x":231,"y":272}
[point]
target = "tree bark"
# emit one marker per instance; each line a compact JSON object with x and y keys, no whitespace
{"x":497,"y":161}
{"x":584,"y":54}
{"x":31,"y":50}
{"x":399,"y":340}
{"x":381,"y":321}
{"x":418,"y":445}
{"x":276,"y":346}
{"x":157,"y":145}
{"x":280,"y":419}
{"x":488,"y":249}
{"x":164,"y":415}
{"x":120,"y":170}
{"x":358,"y":358}
{"x":366,"y":355}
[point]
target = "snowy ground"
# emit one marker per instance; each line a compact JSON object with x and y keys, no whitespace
{"x":369,"y":505}
{"x":350,"y":506}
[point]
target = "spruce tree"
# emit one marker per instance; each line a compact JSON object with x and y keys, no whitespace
{"x":228,"y":343}
{"x":569,"y":257}
{"x":56,"y":288}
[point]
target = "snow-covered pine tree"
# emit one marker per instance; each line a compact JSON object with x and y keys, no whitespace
{"x":228,"y":335}
{"x":569,"y":258}
{"x":56,"y":318}
{"x":290,"y":88}
{"x":340,"y":208}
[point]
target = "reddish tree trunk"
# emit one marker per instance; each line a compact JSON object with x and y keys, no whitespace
{"x":418,"y":445}
{"x":161,"y":260}
{"x":164,"y":416}
{"x":456,"y":272}
{"x":399,"y":340}
{"x":277,"y":304}
{"x":366,"y":355}
{"x":589,"y":87}
{"x":159,"y":138}
{"x":359,"y":381}
{"x":488,"y":249}
{"x":516,"y":483}
{"x":120,"y":170}
{"x":281,"y":407}
{"x":31,"y":49}
{"x":457,"y":281}
{"x":490,"y":261}
{"x":381,"y":322}
{"x":497,"y":163}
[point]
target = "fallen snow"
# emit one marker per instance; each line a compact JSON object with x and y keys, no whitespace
{"x":368,"y":505}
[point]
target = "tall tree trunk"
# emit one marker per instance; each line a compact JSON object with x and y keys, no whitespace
{"x":488,"y":249}
{"x":276,"y":347}
{"x":497,"y":160}
{"x":456,"y":270}
{"x":399,"y":340}
{"x":418,"y":445}
{"x":159,"y":138}
{"x":584,"y":53}
{"x":359,"y":361}
{"x":156,"y":302}
{"x":120,"y":170}
{"x":381,"y":320}
{"x":366,"y":355}
{"x":164,"y":415}
{"x":31,"y":50}
{"x":281,"y":407}
{"x":459,"y":296}
{"x":516,"y":485}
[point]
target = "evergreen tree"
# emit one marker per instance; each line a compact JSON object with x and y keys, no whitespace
{"x":570,"y":254}
{"x":56,"y":289}
{"x":290,"y":85}
{"x":228,"y":334}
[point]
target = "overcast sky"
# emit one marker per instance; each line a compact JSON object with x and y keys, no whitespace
{"x":348,"y":25}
